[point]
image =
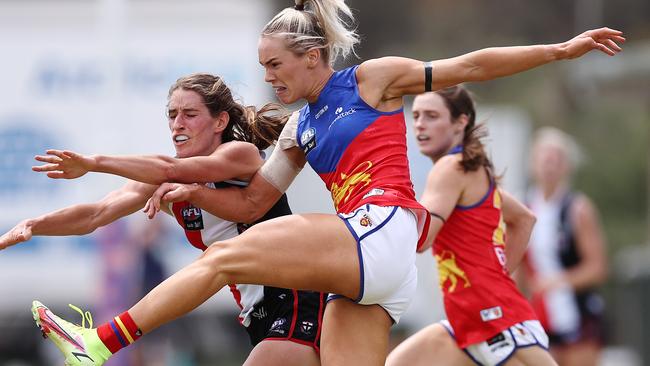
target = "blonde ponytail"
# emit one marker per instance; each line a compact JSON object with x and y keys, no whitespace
{"x":316,"y":24}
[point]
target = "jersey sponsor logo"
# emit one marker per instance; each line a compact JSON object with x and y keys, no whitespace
{"x":491,"y":313}
{"x":259,"y":313}
{"x":192,"y":217}
{"x":351,"y":183}
{"x":497,"y":338}
{"x":277,"y":326}
{"x":308,"y":140}
{"x":322,"y":110}
{"x":307,"y":327}
{"x":340,"y":114}
{"x":449,"y":273}
{"x":501,"y":257}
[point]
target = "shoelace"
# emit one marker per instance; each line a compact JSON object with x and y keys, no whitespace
{"x":84,"y":316}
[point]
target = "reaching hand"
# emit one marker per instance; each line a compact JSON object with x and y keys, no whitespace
{"x":64,"y":164}
{"x":20,"y":233}
{"x":605,"y":40}
{"x":165,"y":194}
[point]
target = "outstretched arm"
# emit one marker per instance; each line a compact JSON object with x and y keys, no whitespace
{"x":519,"y":222}
{"x":244,"y":205}
{"x":390,"y":78}
{"x":83,"y":218}
{"x":230,"y":160}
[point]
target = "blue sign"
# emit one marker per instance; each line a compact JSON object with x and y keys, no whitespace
{"x":20,"y":140}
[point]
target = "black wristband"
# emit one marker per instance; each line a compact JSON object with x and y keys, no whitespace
{"x":427,"y":76}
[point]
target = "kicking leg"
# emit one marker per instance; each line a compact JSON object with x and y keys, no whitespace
{"x":313,"y":252}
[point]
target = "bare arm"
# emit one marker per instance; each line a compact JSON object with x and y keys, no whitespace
{"x":441,"y":194}
{"x":519,"y":222}
{"x":233,"y":204}
{"x":230,"y":160}
{"x":83,"y":218}
{"x":382,"y":82}
{"x":590,"y":241}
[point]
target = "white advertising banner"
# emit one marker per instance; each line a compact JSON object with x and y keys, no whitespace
{"x":92,"y":77}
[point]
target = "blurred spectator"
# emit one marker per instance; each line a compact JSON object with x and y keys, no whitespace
{"x":566,"y":257}
{"x":131,"y":267}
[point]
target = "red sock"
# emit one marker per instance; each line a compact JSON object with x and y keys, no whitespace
{"x":119,"y":332}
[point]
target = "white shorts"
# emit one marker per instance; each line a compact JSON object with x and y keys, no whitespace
{"x":498,"y":349}
{"x":386,"y":241}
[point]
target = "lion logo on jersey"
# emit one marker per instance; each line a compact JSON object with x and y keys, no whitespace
{"x":448,"y":271}
{"x":353,"y":181}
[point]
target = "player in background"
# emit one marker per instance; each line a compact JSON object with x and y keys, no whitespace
{"x":566,"y":258}
{"x":479,"y":234}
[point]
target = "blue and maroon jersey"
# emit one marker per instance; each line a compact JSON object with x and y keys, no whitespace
{"x":358,"y":151}
{"x":480,"y":298}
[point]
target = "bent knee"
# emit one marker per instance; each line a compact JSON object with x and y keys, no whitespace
{"x":439,"y":338}
{"x":221,"y":258}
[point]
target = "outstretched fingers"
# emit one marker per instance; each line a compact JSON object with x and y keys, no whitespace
{"x":48,"y":159}
{"x":62,"y":164}
{"x":46,"y":167}
{"x":608,"y":46}
{"x":608,"y":31}
{"x":53,"y":160}
{"x":607,"y":40}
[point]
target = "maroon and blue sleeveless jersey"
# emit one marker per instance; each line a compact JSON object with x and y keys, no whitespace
{"x":481,"y":300}
{"x":358,"y":151}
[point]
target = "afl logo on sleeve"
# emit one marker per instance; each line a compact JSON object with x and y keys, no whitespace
{"x":308,"y":140}
{"x":192,"y":218}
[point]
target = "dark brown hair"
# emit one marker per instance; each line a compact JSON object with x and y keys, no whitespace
{"x":459,"y":101}
{"x":261,"y":128}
